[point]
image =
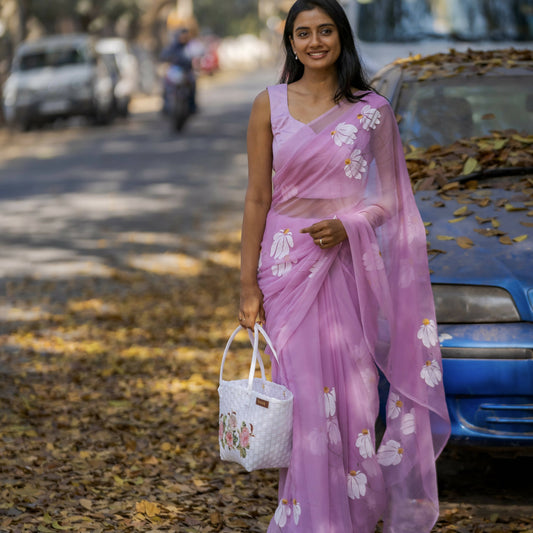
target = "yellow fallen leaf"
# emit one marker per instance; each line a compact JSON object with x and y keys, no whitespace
{"x":527,"y":224}
{"x":87,"y":504}
{"x":495,"y":223}
{"x":445,"y":238}
{"x":525,"y":140}
{"x":511,"y":207}
{"x":462,"y":211}
{"x":471,"y":165}
{"x":166,"y":446}
{"x":506,"y":239}
{"x":520,"y":238}
{"x":464,"y":242}
{"x":150,"y":509}
{"x":482,"y":220}
{"x":427,"y":224}
{"x":58,"y":526}
{"x":453,"y":220}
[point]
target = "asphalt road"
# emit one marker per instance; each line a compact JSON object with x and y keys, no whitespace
{"x":81,"y":200}
{"x":77,"y":199}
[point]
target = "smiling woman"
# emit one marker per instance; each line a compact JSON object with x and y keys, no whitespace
{"x":334,"y":262}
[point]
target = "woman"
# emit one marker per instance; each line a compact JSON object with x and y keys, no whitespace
{"x":334,"y":262}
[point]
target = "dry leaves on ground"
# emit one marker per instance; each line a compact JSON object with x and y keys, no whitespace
{"x":109,"y":408}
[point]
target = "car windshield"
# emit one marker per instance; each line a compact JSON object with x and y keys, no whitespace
{"x":56,"y":57}
{"x":470,"y":20}
{"x":441,"y":111}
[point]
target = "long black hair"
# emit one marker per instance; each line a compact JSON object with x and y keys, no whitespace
{"x":350,"y":72}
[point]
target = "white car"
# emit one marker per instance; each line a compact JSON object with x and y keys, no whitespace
{"x":126,"y":85}
{"x":57,"y":77}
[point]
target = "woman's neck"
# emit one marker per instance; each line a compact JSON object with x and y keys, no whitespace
{"x":319,"y":84}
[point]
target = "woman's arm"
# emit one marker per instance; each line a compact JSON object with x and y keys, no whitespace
{"x":256,"y":206}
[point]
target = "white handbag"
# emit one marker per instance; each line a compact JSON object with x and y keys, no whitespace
{"x":255,"y":415}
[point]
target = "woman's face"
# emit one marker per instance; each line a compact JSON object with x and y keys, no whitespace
{"x":315,"y":39}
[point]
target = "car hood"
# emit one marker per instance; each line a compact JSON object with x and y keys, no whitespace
{"x":375,"y":55}
{"x":488,"y":261}
{"x":43,"y":78}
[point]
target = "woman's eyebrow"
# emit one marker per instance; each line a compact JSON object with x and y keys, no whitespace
{"x":319,"y":26}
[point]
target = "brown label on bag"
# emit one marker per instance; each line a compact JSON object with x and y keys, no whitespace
{"x":261,"y":402}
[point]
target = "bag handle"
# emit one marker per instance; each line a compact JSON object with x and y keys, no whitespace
{"x":255,"y":355}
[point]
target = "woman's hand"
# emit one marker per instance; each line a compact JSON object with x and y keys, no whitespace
{"x":327,"y":233}
{"x":251,"y":306}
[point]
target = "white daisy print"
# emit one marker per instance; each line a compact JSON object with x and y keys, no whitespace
{"x":281,"y":244}
{"x":296,"y":511}
{"x":364,"y":444}
{"x":408,"y":425}
{"x":329,"y":401}
{"x":428,"y":333}
{"x":282,"y":513}
{"x":334,"y":432}
{"x":344,"y":134}
{"x":280,"y":269}
{"x":372,"y":259}
{"x":394,"y":406}
{"x":355,"y":166}
{"x":369,"y":117}
{"x":356,"y":484}
{"x":390,"y":453}
{"x":317,"y":265}
{"x":431,"y":373}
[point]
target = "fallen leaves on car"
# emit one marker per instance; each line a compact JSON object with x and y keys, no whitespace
{"x":455,"y":62}
{"x":438,"y":167}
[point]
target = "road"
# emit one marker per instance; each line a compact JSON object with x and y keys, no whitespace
{"x":77,"y":200}
{"x":80,"y":199}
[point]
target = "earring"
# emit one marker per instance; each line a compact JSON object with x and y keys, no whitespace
{"x":296,"y":56}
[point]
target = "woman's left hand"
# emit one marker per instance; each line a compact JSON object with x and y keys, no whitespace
{"x":327,"y":233}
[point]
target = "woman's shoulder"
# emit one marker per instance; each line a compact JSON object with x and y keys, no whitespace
{"x":375,"y":99}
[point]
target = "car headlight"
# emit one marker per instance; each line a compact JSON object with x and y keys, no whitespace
{"x":473,"y":304}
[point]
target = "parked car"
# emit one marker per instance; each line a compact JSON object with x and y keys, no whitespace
{"x":57,"y":77}
{"x":116,"y":51}
{"x":466,"y":123}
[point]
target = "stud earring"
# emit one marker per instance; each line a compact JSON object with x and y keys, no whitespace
{"x":296,"y":56}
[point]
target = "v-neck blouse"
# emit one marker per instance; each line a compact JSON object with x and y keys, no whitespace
{"x":284,"y":125}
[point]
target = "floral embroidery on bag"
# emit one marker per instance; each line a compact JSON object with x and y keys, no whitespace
{"x":428,"y":333}
{"x":431,"y":373}
{"x":364,"y":444}
{"x":282,"y":513}
{"x":356,"y":484}
{"x":369,"y":117}
{"x":233,"y":436}
{"x":344,"y":134}
{"x":355,"y":166}
{"x":390,"y":453}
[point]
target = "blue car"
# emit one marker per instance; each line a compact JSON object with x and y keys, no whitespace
{"x":466,"y":123}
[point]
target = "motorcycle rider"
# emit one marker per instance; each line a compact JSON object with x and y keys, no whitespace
{"x":176,"y":53}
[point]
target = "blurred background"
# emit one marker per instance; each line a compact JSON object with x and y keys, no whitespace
{"x":245,"y":34}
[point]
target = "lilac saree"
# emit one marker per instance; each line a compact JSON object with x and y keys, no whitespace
{"x":336,"y":316}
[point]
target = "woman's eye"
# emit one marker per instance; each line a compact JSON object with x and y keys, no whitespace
{"x":302,"y":34}
{"x":326,"y":31}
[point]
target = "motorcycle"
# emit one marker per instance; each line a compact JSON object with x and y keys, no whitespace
{"x":178,"y":96}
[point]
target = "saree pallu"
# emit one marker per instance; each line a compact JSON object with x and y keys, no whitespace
{"x":337,"y":316}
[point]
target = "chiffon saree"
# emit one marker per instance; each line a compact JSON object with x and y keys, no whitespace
{"x":341,"y":317}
